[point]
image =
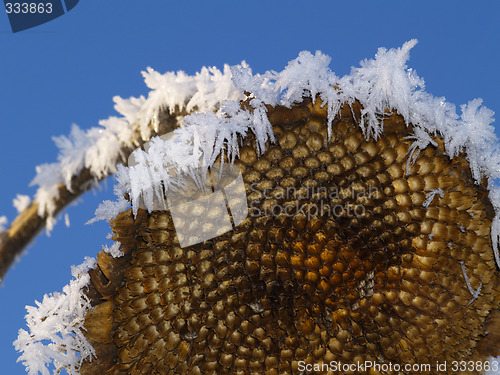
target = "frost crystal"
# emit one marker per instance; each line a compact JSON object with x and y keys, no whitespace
{"x":3,"y":222}
{"x":421,"y":139}
{"x":381,"y":84}
{"x":475,"y":293}
{"x":430,"y":196}
{"x":100,"y":148}
{"x":55,"y":327}
{"x":114,"y":250}
{"x":21,"y":202}
{"x":495,"y":224}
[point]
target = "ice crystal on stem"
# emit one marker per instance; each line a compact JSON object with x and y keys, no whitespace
{"x":55,"y":325}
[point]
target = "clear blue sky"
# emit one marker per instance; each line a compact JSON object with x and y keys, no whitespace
{"x":68,"y":70}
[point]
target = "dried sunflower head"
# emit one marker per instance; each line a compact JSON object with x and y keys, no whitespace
{"x":349,"y":253}
{"x":357,"y":231}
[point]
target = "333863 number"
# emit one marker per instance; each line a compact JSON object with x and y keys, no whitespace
{"x":474,"y":366}
{"x":25,"y":8}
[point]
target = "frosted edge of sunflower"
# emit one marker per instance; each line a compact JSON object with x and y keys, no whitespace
{"x":58,"y":320}
{"x":99,"y":148}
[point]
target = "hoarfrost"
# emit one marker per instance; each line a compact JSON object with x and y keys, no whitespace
{"x":256,"y":307}
{"x":475,"y":293}
{"x":421,"y":139}
{"x":21,"y":202}
{"x":55,"y":325}
{"x":495,"y":224}
{"x":3,"y":222}
{"x":48,"y":179}
{"x":383,"y":84}
{"x":99,"y":148}
{"x":430,"y":196}
{"x":114,"y":250}
{"x":477,"y":137}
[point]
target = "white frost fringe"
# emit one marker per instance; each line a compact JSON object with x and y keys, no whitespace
{"x":99,"y":148}
{"x":55,"y":326}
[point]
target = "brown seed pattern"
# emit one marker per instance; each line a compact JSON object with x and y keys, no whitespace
{"x":337,"y":261}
